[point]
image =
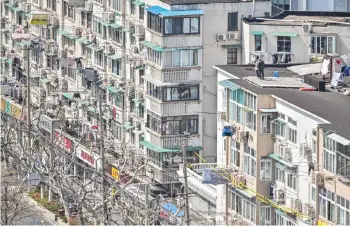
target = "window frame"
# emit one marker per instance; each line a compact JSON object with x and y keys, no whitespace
{"x":235,"y":153}
{"x":193,"y":61}
{"x":249,"y":161}
{"x":256,"y":42}
{"x":174,"y":20}
{"x":232,"y":56}
{"x":263,"y":218}
{"x":284,"y":48}
{"x":316,"y":39}
{"x":267,"y":177}
{"x":230,"y":26}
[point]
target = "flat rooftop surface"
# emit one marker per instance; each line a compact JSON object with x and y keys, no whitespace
{"x":330,"y":106}
{"x":277,"y":82}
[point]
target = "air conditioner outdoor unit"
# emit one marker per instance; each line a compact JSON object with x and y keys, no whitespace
{"x":221,"y":37}
{"x":307,"y":27}
{"x":53,"y":20}
{"x":232,"y":36}
{"x":78,"y":32}
{"x":111,"y":50}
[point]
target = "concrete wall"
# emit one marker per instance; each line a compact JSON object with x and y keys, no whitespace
{"x":306,"y":122}
{"x":300,"y":43}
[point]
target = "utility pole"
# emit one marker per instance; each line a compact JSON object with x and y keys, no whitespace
{"x":123,"y":74}
{"x":28,"y":98}
{"x":147,"y":206}
{"x":187,"y":213}
{"x":6,"y":207}
{"x":103,"y":183}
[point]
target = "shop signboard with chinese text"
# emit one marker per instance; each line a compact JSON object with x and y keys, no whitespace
{"x":64,"y":142}
{"x":88,"y":157}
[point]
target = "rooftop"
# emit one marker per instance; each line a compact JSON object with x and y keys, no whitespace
{"x":192,"y":2}
{"x":301,"y":17}
{"x":330,"y":106}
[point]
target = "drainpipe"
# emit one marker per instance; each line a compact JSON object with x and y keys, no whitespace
{"x":253,"y":8}
{"x":318,"y":166}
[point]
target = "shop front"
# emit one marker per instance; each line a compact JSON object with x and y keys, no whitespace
{"x":88,"y":162}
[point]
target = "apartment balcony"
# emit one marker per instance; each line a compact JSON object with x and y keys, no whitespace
{"x":194,"y":179}
{"x":173,"y":141}
{"x":162,"y":176}
{"x":177,"y":108}
{"x":174,"y":40}
{"x":176,"y":75}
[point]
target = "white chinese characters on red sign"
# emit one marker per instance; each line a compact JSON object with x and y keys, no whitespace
{"x":89,"y":158}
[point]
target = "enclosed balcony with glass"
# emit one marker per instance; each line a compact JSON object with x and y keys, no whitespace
{"x":174,"y":28}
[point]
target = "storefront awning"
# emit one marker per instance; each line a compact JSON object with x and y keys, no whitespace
{"x":153,"y":46}
{"x":24,"y":43}
{"x":228,"y":84}
{"x":288,"y":34}
{"x":113,"y":89}
{"x":94,"y":47}
{"x":257,"y":33}
{"x":67,"y":34}
{"x":280,"y":160}
{"x":83,"y":40}
{"x":128,"y":126}
{"x":115,"y":25}
{"x":68,"y":95}
{"x":114,"y":57}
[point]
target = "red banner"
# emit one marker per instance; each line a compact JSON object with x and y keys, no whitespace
{"x":64,"y":142}
{"x":85,"y":156}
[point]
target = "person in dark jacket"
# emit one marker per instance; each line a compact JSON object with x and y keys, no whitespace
{"x":261,"y":67}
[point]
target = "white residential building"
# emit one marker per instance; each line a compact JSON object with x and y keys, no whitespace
{"x":277,"y":6}
{"x":295,"y":37}
{"x":277,"y":163}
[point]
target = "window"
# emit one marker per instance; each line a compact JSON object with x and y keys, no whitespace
{"x":257,"y":40}
{"x":51,"y":4}
{"x":181,"y":93}
{"x":115,"y":65}
{"x":327,"y":204}
{"x":265,"y":215}
{"x":283,"y":44}
{"x":154,"y":22}
{"x":98,"y":1}
{"x":98,"y":58}
{"x":280,"y":128}
{"x":231,"y":55}
{"x":313,"y":194}
{"x":249,"y":161}
{"x":278,"y":6}
{"x":292,"y":121}
{"x":343,"y":211}
{"x":185,"y":25}
{"x":235,"y":158}
{"x":99,"y":28}
{"x":132,"y":8}
{"x":232,"y":21}
{"x":291,"y":181}
{"x":141,"y":13}
{"x":265,"y":124}
{"x":115,"y":35}
{"x":242,"y":206}
{"x":116,"y":5}
{"x":322,"y":44}
{"x":250,"y":120}
{"x":173,"y":125}
{"x":181,"y":58}
{"x":292,"y":135}
{"x":250,"y":100}
{"x":329,"y":155}
{"x":69,"y":11}
{"x":343,"y":165}
{"x":154,"y":56}
{"x":117,"y":99}
{"x":279,"y":174}
{"x":282,"y":220}
{"x":265,"y":170}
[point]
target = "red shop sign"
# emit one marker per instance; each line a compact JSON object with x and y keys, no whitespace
{"x":85,"y":156}
{"x":64,"y":142}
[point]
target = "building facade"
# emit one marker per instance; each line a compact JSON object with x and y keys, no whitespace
{"x":295,"y":37}
{"x":291,"y":172}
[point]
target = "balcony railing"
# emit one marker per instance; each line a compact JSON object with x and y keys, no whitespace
{"x":173,"y":141}
{"x":173,"y":41}
{"x":173,"y":108}
{"x":162,"y":176}
{"x":174,"y":75}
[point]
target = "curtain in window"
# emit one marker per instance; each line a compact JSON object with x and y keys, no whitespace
{"x":168,"y":26}
{"x":185,"y":58}
{"x":195,"y":25}
{"x":176,"y":58}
